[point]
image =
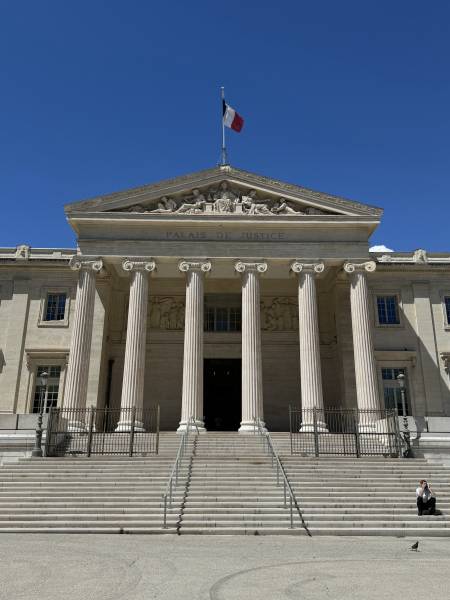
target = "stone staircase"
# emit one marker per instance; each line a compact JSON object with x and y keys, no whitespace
{"x":104,"y":494}
{"x":232,"y":489}
{"x":368,"y":496}
{"x":229,"y":487}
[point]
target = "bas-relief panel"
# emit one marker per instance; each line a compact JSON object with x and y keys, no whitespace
{"x":277,"y":314}
{"x":224,"y":200}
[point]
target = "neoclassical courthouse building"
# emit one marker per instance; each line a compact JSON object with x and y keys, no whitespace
{"x":223,"y":295}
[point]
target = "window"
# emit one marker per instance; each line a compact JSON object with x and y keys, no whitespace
{"x":387,"y":309}
{"x":222,"y":313}
{"x":50,"y":395}
{"x":447,"y":309}
{"x":55,"y":308}
{"x":391,"y":389}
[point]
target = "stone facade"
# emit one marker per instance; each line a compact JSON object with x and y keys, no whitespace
{"x":149,"y":261}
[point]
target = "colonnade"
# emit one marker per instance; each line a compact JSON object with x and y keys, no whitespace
{"x":192,"y":389}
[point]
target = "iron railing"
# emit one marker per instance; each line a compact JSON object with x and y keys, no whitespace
{"x":177,"y":465}
{"x":92,"y":431}
{"x":344,"y":432}
{"x":277,"y":464}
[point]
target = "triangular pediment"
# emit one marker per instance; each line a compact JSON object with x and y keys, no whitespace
{"x":224,"y":191}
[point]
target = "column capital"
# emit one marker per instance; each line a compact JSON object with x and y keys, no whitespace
{"x":87,"y":263}
{"x":301,"y":267}
{"x":194,"y":265}
{"x":258,"y":267}
{"x":138,"y":264}
{"x":369,"y":266}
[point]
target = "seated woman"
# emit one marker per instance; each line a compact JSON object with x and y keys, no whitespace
{"x":426,"y":499}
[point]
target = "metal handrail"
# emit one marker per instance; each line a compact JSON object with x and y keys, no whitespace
{"x":287,"y":488}
{"x":173,"y":478}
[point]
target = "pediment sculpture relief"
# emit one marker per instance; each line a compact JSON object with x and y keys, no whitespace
{"x":224,"y":200}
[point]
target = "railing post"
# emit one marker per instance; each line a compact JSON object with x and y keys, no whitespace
{"x":357,"y":440}
{"x":284,"y":491}
{"x":290,"y":427}
{"x":133,"y":423}
{"x":165,"y":512}
{"x":316,"y":434}
{"x":157,"y":428}
{"x":292,"y":516}
{"x":48,"y":433}
{"x":90,"y":429}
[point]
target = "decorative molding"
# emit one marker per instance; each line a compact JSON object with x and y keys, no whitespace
{"x":369,"y":266}
{"x":418,"y":257}
{"x":396,"y":356}
{"x":34,"y":355}
{"x":138,"y":264}
{"x":242,"y":267}
{"x":301,"y":267}
{"x":77,"y":263}
{"x":187,"y":265}
{"x":23,"y":252}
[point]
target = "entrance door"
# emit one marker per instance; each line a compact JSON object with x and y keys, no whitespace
{"x":222,"y":394}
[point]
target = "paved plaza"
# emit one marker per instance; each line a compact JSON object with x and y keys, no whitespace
{"x":106,"y":567}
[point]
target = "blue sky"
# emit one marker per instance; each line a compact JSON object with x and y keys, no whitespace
{"x":351,"y":98}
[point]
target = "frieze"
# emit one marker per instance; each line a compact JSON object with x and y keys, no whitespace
{"x":224,"y":200}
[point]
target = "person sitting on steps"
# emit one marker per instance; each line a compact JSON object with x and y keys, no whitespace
{"x":426,"y":499}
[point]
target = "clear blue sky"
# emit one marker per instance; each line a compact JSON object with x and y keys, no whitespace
{"x":351,"y":98}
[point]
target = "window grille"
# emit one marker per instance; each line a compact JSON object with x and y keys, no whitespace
{"x":447,"y":308}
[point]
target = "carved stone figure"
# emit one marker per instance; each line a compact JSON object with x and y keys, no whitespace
{"x":281,"y":207}
{"x":420,"y":256}
{"x":279,"y":314}
{"x":195,"y":205}
{"x":137,"y":208}
{"x":23,"y":252}
{"x":166,"y":313}
{"x":224,"y":199}
{"x":165,"y":205}
{"x":251,"y":207}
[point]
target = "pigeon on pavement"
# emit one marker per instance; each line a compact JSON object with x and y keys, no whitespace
{"x":415,"y":546}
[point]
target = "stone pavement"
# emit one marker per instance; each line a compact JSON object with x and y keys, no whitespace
{"x":109,"y":567}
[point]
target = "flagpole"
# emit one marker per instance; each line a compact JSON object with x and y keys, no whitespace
{"x":224,"y":148}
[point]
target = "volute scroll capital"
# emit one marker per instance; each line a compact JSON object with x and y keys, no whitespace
{"x":368,"y":266}
{"x":77,"y":263}
{"x":301,"y":267}
{"x":138,"y":264}
{"x":195,"y":265}
{"x":258,"y":267}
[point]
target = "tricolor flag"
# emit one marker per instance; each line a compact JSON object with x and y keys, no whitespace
{"x":231,"y":118}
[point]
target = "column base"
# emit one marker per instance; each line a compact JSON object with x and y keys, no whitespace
{"x":125,"y":426}
{"x":309,"y":427}
{"x":200,"y":426}
{"x":249,"y":427}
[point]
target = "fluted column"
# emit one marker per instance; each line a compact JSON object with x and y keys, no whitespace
{"x":365,"y":370}
{"x":135,"y":346}
{"x":252,"y":387}
{"x":192,"y":393}
{"x":80,"y":343}
{"x":310,"y":366}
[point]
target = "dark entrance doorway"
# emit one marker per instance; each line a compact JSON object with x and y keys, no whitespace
{"x":222,"y":394}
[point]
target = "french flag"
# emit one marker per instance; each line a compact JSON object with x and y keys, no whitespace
{"x":231,"y":118}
